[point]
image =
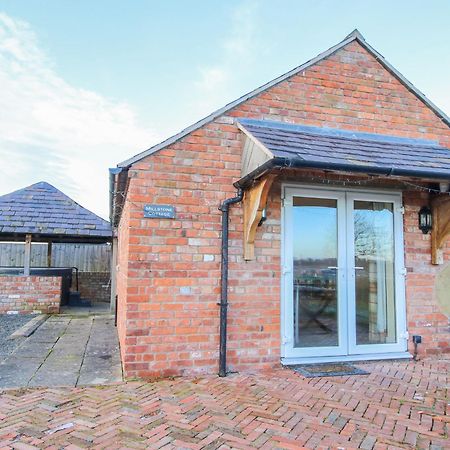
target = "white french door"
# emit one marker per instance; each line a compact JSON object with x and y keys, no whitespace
{"x":343,"y":276}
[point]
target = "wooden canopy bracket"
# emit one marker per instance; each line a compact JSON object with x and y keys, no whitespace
{"x":440,"y":207}
{"x":255,"y":200}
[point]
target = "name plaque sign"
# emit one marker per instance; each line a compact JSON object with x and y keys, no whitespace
{"x":159,"y":211}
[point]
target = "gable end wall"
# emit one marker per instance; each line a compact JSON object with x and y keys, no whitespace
{"x":168,"y":282}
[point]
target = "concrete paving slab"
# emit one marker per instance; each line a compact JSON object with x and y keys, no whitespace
{"x":47,"y":327}
{"x":71,"y":362}
{"x":51,"y":320}
{"x":73,"y":339}
{"x":100,"y":370}
{"x":35,"y":349}
{"x":49,"y":332}
{"x":97,"y":308}
{"x":18,"y":372}
{"x":62,"y":352}
{"x":54,"y":378}
{"x":66,"y":351}
{"x":99,"y":351}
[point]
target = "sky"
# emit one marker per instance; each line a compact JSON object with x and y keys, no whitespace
{"x":86,"y":84}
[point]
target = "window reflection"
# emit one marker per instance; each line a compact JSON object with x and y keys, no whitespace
{"x":315,"y":273}
{"x":374,"y":272}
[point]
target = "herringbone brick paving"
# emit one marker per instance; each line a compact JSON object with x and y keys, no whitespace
{"x":399,"y":405}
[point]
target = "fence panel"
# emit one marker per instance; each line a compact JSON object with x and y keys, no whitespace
{"x":86,"y":257}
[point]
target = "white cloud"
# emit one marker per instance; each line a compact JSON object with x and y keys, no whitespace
{"x":53,"y":131}
{"x":218,"y":82}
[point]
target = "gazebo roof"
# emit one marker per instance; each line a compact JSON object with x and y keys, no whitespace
{"x":41,"y":209}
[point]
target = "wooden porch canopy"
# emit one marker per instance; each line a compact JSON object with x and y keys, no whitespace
{"x":275,"y":145}
{"x":42,"y":213}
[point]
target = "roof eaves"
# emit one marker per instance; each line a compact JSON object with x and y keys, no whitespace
{"x":351,"y":37}
{"x":299,"y":163}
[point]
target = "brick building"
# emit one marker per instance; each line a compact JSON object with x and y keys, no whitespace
{"x":321,"y":257}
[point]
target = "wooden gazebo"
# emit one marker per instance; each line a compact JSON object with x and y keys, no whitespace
{"x":42,"y":213}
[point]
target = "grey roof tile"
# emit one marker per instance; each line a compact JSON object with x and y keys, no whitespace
{"x":43,"y":209}
{"x":340,"y":147}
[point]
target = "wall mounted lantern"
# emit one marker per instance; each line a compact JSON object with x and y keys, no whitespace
{"x":425,"y":220}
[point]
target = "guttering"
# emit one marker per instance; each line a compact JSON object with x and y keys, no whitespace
{"x":115,"y":183}
{"x":225,"y":208}
{"x":299,"y":163}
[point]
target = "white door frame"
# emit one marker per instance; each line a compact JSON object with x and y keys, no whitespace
{"x":399,"y":284}
{"x":288,"y":332}
{"x":347,"y":349}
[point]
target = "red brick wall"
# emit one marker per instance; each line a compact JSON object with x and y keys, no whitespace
{"x":30,"y":294}
{"x":95,"y":286}
{"x":123,"y":306}
{"x":424,"y":314}
{"x":170,"y":269}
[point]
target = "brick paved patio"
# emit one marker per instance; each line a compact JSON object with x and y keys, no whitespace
{"x":399,"y":405}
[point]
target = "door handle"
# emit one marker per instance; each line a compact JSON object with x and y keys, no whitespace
{"x":359,"y":268}
{"x":333,"y":267}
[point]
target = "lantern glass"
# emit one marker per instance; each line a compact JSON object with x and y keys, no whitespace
{"x":425,"y":220}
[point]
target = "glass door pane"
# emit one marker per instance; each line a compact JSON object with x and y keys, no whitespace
{"x":315,"y":272}
{"x":375,"y":310}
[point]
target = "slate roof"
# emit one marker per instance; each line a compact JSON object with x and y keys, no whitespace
{"x":43,"y":209}
{"x":345,"y":150}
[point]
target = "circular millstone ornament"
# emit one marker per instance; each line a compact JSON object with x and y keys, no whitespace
{"x":443,"y":289}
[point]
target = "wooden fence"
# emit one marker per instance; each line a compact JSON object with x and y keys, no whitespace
{"x":86,"y":257}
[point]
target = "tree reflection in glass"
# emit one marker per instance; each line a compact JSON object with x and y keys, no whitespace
{"x":374,"y":272}
{"x":315,"y":272}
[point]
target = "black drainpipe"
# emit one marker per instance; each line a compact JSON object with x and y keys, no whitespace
{"x":225,"y":208}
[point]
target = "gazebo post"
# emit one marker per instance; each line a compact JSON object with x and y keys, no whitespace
{"x":27,"y":256}
{"x":49,"y":254}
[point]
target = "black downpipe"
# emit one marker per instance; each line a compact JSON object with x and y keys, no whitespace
{"x":116,"y":298}
{"x":225,"y":208}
